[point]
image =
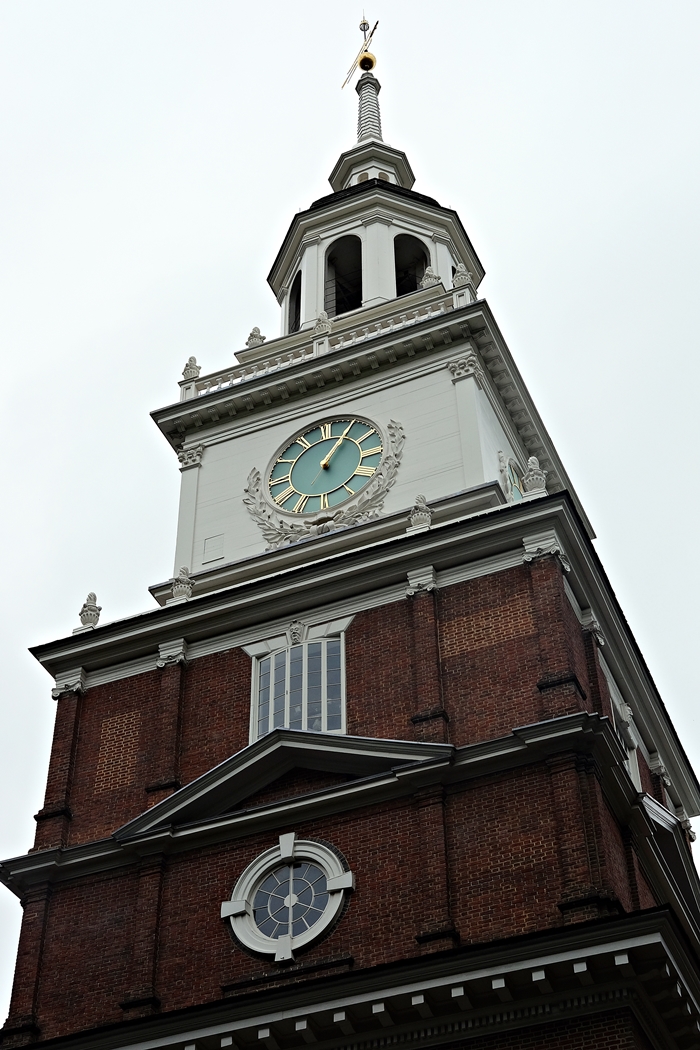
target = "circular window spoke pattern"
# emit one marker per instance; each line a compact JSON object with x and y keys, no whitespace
{"x":289,"y":896}
{"x":290,"y":899}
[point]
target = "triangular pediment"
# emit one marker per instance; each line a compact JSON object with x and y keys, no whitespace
{"x":248,"y":773}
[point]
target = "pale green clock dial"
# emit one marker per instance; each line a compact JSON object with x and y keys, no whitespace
{"x":325,"y":466}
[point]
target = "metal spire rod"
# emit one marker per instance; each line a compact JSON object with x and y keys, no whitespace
{"x":364,"y":26}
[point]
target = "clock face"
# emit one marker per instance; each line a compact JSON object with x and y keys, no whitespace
{"x":326,"y":465}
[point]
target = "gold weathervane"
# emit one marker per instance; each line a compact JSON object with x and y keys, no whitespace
{"x":365,"y":59}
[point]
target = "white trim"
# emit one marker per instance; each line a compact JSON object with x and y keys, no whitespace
{"x":251,"y":637}
{"x":239,"y":909}
{"x":263,"y":652}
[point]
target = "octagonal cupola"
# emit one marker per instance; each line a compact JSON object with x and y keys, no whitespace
{"x":371,"y":158}
{"x":374,"y":239}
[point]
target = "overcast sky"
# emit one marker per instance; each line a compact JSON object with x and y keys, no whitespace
{"x":153,"y":155}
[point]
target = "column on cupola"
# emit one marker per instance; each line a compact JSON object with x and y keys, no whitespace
{"x":369,"y":121}
{"x":378,"y":277}
{"x":443,"y":260}
{"x":312,"y":278}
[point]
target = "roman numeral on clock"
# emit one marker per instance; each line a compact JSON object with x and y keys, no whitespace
{"x":365,"y":472}
{"x":371,"y":451}
{"x":282,"y":496}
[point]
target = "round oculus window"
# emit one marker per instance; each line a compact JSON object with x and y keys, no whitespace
{"x":291,"y":899}
{"x":287,"y":897}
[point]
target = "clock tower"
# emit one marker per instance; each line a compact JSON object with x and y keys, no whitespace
{"x":383,"y":765}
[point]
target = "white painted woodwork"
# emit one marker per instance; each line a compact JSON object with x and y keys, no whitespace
{"x":453,"y":436}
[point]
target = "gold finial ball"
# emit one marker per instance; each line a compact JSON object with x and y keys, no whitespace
{"x":367,"y":62}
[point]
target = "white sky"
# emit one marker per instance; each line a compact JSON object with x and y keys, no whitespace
{"x":153,"y":155}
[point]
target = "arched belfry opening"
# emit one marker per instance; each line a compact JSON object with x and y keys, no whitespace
{"x":410,"y":261}
{"x":343,"y":284}
{"x":295,"y":305}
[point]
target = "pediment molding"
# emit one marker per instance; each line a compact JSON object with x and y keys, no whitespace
{"x":255,"y":767}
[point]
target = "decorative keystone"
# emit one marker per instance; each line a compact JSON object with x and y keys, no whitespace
{"x":430,"y":278}
{"x":421,"y":515}
{"x":323,"y":324}
{"x":72,"y":681}
{"x":182,"y":585}
{"x":191,"y":457}
{"x":90,"y":612}
{"x":255,"y":339}
{"x":296,"y":632}
{"x":191,"y":369}
{"x":534,"y":478}
{"x":421,"y":581}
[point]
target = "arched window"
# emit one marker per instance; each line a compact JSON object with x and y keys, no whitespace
{"x":295,"y":305}
{"x":343,"y":286}
{"x":410,"y":260}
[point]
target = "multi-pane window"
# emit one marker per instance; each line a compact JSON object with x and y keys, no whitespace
{"x":301,"y":687}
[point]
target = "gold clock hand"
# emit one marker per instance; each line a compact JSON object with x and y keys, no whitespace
{"x":326,"y":461}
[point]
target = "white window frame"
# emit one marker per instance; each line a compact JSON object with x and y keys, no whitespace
{"x":623,"y":721}
{"x":298,"y":635}
{"x":239,"y":910}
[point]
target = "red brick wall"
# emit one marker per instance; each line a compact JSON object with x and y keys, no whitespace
{"x":510,"y":652}
{"x":86,"y":954}
{"x":490,"y":656}
{"x":149,"y":732}
{"x":504,"y":879}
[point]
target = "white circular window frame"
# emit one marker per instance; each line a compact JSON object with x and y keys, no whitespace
{"x":239,"y":909}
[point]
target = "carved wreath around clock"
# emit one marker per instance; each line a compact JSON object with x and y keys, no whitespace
{"x":329,"y":476}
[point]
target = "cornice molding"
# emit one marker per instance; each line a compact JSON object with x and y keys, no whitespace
{"x":641,"y":961}
{"x":368,"y":345}
{"x":287,"y":583}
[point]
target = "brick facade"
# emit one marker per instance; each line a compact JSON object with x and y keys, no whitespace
{"x":532,"y":849}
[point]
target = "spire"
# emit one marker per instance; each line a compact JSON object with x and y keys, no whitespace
{"x":370,"y":158}
{"x":369,"y":121}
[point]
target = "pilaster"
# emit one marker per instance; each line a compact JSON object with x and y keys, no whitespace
{"x":560,"y":687}
{"x":312,"y":281}
{"x":378,"y":269}
{"x":141,"y":999}
{"x":164,"y":775}
{"x":190,"y":463}
{"x":437,"y":930}
{"x":53,"y":819}
{"x":586,"y":892}
{"x":430,"y":720}
{"x":467,"y":376}
{"x":22,"y":1025}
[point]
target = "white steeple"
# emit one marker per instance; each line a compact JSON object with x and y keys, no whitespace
{"x":371,"y":158}
{"x":373,"y":240}
{"x":369,"y":120}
